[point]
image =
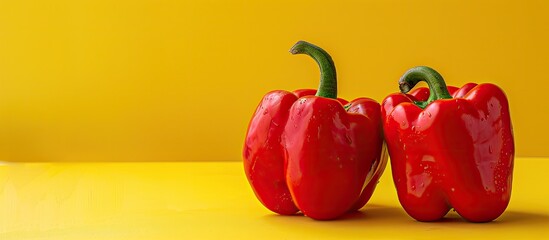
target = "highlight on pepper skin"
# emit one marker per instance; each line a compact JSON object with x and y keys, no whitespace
{"x":311,"y":152}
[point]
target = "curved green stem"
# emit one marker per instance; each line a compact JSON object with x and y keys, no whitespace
{"x":328,"y":80}
{"x":437,"y":86}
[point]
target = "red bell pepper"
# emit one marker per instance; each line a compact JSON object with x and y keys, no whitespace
{"x":314,"y":153}
{"x":449,"y":151}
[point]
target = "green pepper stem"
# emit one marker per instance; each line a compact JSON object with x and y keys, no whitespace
{"x":437,"y":86}
{"x":328,"y":80}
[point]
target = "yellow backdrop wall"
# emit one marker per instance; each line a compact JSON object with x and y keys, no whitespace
{"x":179,"y":80}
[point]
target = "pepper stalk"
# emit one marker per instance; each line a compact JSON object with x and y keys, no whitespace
{"x":437,"y":86}
{"x":328,"y":79}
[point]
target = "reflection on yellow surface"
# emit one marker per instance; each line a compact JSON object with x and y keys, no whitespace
{"x":214,"y":201}
{"x":178,"y":80}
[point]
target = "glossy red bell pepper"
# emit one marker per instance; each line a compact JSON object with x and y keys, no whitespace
{"x":449,"y":151}
{"x":314,"y":153}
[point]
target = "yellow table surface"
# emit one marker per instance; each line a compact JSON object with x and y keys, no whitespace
{"x":202,"y":200}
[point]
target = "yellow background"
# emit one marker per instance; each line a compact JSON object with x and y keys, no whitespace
{"x":179,"y":80}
